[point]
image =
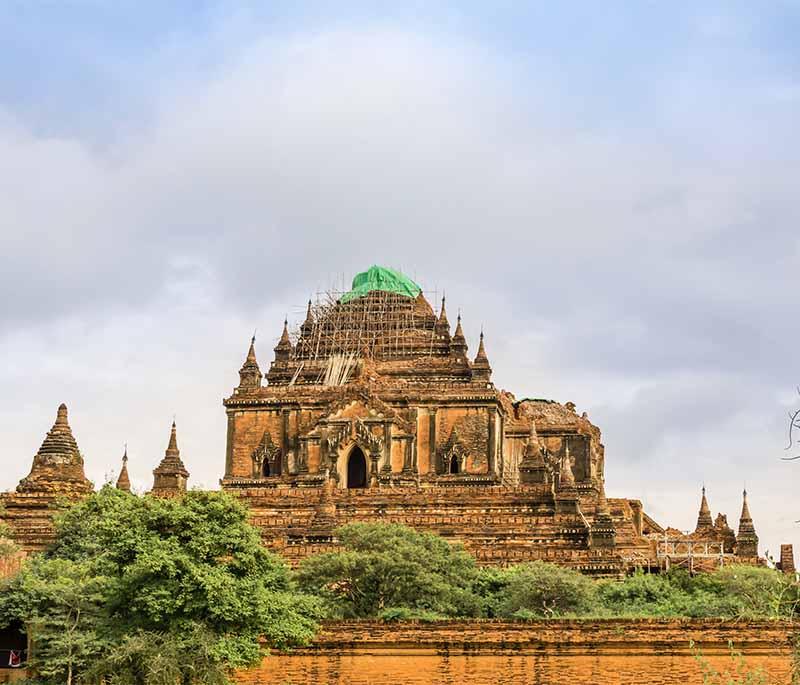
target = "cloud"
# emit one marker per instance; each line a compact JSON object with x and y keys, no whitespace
{"x":639,"y":271}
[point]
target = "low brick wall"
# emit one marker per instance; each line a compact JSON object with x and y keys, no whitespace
{"x":546,"y":652}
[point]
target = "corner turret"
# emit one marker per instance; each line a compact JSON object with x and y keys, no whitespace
{"x":250,"y":373}
{"x":481,"y":370}
{"x":283,"y":350}
{"x":458,"y":345}
{"x":442,"y":326}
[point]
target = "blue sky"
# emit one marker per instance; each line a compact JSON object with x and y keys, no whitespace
{"x":609,"y":189}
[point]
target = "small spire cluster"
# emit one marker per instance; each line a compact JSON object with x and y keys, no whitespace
{"x":746,"y":541}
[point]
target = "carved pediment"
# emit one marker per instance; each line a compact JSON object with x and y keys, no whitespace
{"x":453,"y":454}
{"x":366,"y":437}
{"x":266,"y":452}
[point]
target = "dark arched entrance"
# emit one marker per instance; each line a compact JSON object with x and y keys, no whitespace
{"x":266,"y":469}
{"x":356,"y":469}
{"x":454,"y":464}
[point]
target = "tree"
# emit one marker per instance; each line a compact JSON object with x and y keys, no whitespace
{"x":149,"y":591}
{"x":7,"y":546}
{"x":794,"y":428}
{"x":539,"y":589}
{"x":61,"y":601}
{"x":387,"y":566}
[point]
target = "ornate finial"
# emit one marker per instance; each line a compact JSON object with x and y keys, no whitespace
{"x":61,"y":415}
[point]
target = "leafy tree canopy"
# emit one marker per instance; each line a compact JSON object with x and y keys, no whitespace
{"x":386,"y":566}
{"x":539,"y":589}
{"x":148,"y":590}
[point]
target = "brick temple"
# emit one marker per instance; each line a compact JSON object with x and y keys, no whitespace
{"x":373,"y":409}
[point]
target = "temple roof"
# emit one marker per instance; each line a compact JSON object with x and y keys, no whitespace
{"x":382,"y":279}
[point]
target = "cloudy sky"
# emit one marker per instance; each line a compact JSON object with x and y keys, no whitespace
{"x":611,"y":192}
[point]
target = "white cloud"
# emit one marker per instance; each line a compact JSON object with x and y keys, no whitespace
{"x":640,"y":276}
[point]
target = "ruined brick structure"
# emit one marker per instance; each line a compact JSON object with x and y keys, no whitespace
{"x":373,"y":410}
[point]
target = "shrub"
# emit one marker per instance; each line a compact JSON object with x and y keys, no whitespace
{"x":539,"y":589}
{"x":388,"y":565}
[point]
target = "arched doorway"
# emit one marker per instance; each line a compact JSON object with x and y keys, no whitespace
{"x":454,"y":464}
{"x":266,"y":469}
{"x":356,"y":469}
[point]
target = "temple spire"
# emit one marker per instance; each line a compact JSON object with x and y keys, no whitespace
{"x":250,"y":373}
{"x":442,"y":322}
{"x":58,"y":465}
{"x":283,"y":350}
{"x":745,"y":508}
{"x":458,"y":345}
{"x":170,"y":476}
{"x":704,"y":515}
{"x":746,"y":540}
{"x":124,"y":481}
{"x":481,"y":370}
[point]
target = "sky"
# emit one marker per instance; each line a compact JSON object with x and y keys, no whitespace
{"x":608,"y":189}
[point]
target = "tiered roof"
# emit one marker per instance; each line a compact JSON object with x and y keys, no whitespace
{"x":58,"y":465}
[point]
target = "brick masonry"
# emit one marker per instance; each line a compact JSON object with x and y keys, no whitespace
{"x":551,"y":652}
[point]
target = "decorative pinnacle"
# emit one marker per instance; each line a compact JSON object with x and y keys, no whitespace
{"x":172,"y":448}
{"x":61,"y":416}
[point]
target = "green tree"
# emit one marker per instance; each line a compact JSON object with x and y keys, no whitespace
{"x":62,"y":601}
{"x":384,"y":567}
{"x":156,"y":591}
{"x":539,"y":589}
{"x":7,"y":546}
{"x":742,"y":591}
{"x":643,"y":594}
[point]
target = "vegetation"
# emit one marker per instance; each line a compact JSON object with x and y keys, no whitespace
{"x":7,"y":546}
{"x":149,"y":591}
{"x":394,"y":572}
{"x":385,"y":567}
{"x":141,"y":590}
{"x":737,"y":673}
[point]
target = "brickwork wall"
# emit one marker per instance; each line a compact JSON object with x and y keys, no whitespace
{"x":500,"y":526}
{"x":553,"y":652}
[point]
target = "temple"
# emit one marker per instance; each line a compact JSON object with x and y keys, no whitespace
{"x":373,"y":409}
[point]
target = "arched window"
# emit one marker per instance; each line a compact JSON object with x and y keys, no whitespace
{"x":356,"y":469}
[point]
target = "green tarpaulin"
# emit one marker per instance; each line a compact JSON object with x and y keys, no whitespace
{"x":384,"y":279}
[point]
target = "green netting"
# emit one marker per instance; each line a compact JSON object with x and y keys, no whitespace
{"x":384,"y":279}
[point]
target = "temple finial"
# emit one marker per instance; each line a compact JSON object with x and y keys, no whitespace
{"x":704,"y":515}
{"x":172,"y":448}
